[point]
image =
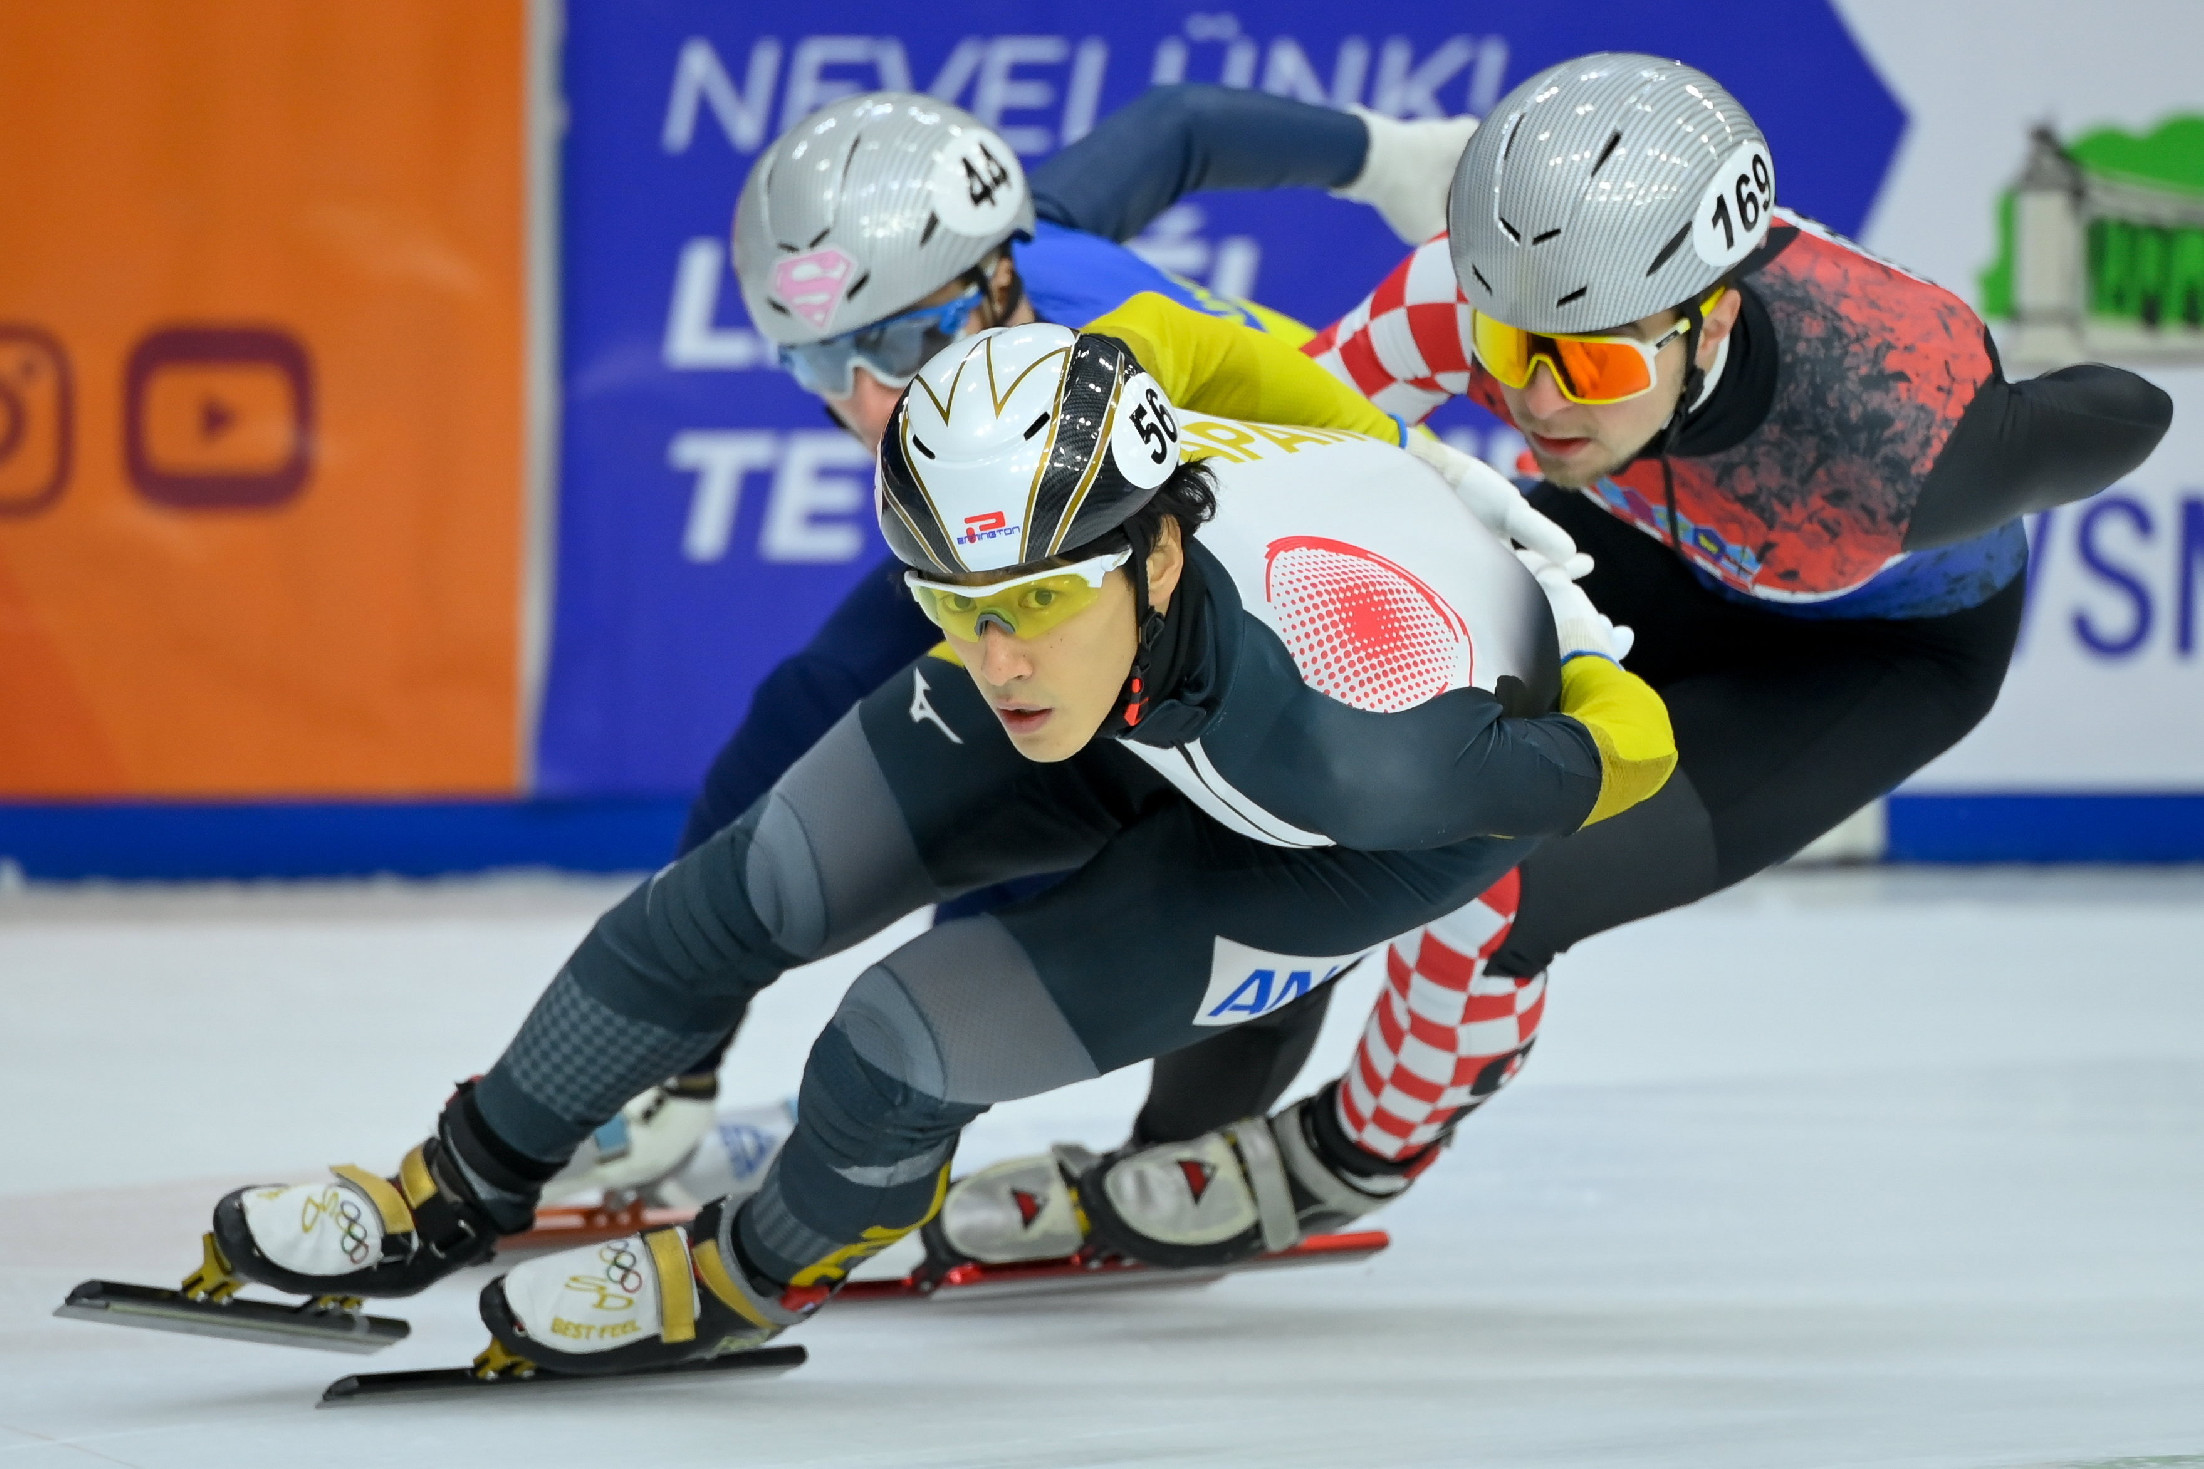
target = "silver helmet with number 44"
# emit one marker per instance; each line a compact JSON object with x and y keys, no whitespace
{"x":868,"y":206}
{"x":1606,"y":189}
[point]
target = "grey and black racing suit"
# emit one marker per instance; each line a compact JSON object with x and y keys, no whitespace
{"x":1355,"y":734}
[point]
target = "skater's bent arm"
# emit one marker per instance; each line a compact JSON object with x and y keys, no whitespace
{"x":2027,"y":446}
{"x":1172,"y":141}
{"x":1207,"y":364}
{"x":1629,"y":724}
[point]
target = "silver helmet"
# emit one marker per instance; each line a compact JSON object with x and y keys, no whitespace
{"x":1606,"y":189}
{"x":867,"y":206}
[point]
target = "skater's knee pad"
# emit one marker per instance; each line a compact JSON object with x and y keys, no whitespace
{"x":960,"y":1013}
{"x":829,"y":857}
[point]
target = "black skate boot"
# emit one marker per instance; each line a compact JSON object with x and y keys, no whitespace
{"x":359,"y":1235}
{"x":645,"y":1303}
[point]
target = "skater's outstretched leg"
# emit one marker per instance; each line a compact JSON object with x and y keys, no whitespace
{"x":827,"y":858}
{"x":1445,"y":1036}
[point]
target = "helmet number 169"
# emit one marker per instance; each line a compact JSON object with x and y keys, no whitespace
{"x":1734,"y":210}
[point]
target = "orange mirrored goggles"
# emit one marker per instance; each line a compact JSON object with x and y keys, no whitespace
{"x":1593,"y":370}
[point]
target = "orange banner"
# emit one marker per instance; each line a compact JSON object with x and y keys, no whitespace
{"x":262,"y":354}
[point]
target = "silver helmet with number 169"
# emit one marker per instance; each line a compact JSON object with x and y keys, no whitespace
{"x":1604,"y":190}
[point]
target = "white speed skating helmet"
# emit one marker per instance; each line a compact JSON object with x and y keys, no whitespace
{"x":867,"y":206}
{"x":1018,"y":443}
{"x":1606,"y":189}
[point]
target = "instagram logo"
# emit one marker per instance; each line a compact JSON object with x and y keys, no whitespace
{"x":218,"y":417}
{"x":36,"y":405}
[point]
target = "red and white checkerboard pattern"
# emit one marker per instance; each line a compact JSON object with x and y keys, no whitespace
{"x":1445,"y":1035}
{"x":1405,"y":346}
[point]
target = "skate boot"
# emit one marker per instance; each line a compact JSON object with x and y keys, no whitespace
{"x":641,"y":1303}
{"x":730,"y":1160}
{"x":360,"y":1235}
{"x":1012,"y":1212}
{"x":1255,"y":1187}
{"x":651,"y":1139}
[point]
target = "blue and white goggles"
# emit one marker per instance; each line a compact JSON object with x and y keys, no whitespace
{"x":892,"y":349}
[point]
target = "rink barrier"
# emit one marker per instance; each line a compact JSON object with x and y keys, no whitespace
{"x":185,"y":841}
{"x":215,"y":841}
{"x":2045,"y":827}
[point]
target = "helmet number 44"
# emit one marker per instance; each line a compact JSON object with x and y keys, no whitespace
{"x":984,"y":174}
{"x":977,"y":185}
{"x":1732,"y":218}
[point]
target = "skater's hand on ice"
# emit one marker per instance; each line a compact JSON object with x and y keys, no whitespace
{"x":1499,"y":506}
{"x":1579,"y":626}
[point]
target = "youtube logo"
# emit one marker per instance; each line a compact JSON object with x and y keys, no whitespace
{"x":218,"y":417}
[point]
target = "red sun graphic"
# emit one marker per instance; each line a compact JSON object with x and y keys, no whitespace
{"x":1363,"y":629}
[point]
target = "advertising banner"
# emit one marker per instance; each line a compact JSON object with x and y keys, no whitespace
{"x":710,"y":515}
{"x":262,"y":350}
{"x":2053,"y":175}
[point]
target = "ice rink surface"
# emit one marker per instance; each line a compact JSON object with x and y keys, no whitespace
{"x":1853,"y":1168}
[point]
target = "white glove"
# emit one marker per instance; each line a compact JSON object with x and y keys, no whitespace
{"x":1499,"y":506}
{"x":1578,"y":625}
{"x":1407,"y":169}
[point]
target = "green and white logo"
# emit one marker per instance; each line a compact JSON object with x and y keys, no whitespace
{"x":2101,"y":249}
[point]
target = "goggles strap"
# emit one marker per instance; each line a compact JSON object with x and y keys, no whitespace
{"x":1150,"y":622}
{"x":982,"y":279}
{"x":1688,"y":399}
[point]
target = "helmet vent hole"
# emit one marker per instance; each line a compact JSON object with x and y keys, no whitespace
{"x":920,"y":445}
{"x":933,"y":222}
{"x":1614,"y":141}
{"x":1675,"y":243}
{"x":1540,"y":239}
{"x":1036,"y":426}
{"x":818,"y":238}
{"x":1576,"y":294}
{"x":857,"y":285}
{"x":1473,"y":270}
{"x":1513,"y":233}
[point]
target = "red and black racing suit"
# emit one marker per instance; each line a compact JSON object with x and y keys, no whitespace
{"x":1825,"y":570}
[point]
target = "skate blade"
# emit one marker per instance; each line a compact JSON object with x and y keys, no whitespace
{"x":978,"y":1282}
{"x":449,"y":1382}
{"x":329,"y":1329}
{"x":563,"y":1226}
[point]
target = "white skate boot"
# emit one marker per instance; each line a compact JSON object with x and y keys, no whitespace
{"x":730,"y":1160}
{"x":649,"y":1140}
{"x":1019,"y":1210}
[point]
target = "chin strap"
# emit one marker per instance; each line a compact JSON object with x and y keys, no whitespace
{"x":983,"y":276}
{"x":1694,"y":379}
{"x":1150,"y":622}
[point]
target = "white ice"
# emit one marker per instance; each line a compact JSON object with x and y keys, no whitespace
{"x":1871,"y":1168}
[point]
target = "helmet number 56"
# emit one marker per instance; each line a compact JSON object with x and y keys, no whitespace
{"x":1157,"y":427}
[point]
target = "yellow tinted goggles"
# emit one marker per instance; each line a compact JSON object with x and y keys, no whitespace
{"x":1592,"y":370}
{"x":1024,"y":606}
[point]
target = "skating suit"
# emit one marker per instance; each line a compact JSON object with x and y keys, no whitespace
{"x":1851,"y":398}
{"x":1825,"y":573}
{"x":1351,"y":737}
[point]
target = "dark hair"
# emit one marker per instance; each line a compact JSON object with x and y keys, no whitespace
{"x":1189,"y":497}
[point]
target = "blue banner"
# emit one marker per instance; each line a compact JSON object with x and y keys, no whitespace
{"x":709,"y":513}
